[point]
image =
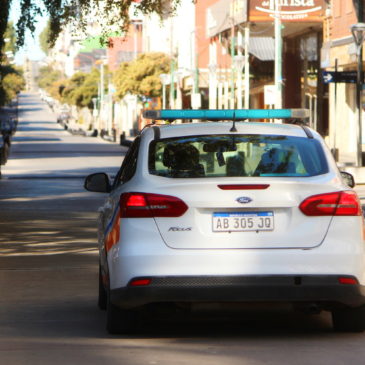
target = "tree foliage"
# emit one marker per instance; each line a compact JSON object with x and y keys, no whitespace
{"x":12,"y":82}
{"x":10,"y":38}
{"x":4,"y":18}
{"x":77,"y":12}
{"x":81,"y":88}
{"x":141,"y":76}
{"x":11,"y":77}
{"x":8,"y":43}
{"x":47,"y":76}
{"x":43,"y":38}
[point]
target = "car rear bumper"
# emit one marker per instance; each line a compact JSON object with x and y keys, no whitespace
{"x":325,"y":289}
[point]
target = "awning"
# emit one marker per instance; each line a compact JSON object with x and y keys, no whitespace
{"x":262,"y":48}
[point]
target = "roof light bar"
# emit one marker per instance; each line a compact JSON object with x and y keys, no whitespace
{"x":221,"y":114}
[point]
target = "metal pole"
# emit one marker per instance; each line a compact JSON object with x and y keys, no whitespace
{"x":278,"y":57}
{"x":163,"y":96}
{"x":196,"y":74}
{"x":102,"y":82}
{"x":172,"y":85}
{"x":172,"y":66}
{"x":358,"y":105}
{"x":247,"y":68}
{"x":335,"y":154}
{"x":232,"y":65}
{"x":360,"y":79}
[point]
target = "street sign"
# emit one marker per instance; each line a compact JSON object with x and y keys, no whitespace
{"x":269,"y":94}
{"x":343,"y":76}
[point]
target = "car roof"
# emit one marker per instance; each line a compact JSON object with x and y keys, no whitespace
{"x":224,"y":127}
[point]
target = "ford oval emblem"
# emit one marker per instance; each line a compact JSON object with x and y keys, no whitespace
{"x":244,"y":200}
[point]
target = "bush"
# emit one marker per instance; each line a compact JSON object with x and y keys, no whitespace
{"x":12,"y":82}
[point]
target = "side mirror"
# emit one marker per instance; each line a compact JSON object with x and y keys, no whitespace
{"x":126,"y":143}
{"x":348,"y":178}
{"x":98,"y":183}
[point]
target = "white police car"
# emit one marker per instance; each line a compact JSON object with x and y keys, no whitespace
{"x":229,"y":212}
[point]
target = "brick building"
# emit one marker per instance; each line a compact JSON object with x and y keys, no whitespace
{"x":339,"y":49}
{"x":241,"y":43}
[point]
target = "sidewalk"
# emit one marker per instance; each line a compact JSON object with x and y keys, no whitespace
{"x":346,"y":163}
{"x":42,"y":149}
{"x":9,"y":111}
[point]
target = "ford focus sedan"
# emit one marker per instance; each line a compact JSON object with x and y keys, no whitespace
{"x":229,"y":211}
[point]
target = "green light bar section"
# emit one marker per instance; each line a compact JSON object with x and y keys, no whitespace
{"x":227,"y":114}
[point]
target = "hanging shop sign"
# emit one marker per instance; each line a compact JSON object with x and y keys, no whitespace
{"x":289,"y":10}
{"x":224,"y":14}
{"x":339,"y":77}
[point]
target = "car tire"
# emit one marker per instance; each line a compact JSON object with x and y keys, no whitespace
{"x":349,"y":319}
{"x":102,"y":297}
{"x":119,"y":321}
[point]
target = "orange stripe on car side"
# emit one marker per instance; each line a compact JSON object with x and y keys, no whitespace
{"x":113,"y":236}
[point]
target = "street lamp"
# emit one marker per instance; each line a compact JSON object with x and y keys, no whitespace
{"x":212,"y":85}
{"x":239,"y":62}
{"x":179,"y":73}
{"x":95,"y":111}
{"x":358,"y":32}
{"x":164,"y":79}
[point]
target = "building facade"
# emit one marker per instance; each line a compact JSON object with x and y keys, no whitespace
{"x":339,"y":54}
{"x":244,"y":59}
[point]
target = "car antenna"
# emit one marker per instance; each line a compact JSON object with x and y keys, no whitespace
{"x":233,"y":129}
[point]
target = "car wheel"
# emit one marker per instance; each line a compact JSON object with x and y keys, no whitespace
{"x":119,"y":321}
{"x":349,"y":319}
{"x":102,"y":298}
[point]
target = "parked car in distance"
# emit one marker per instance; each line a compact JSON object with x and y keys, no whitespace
{"x":4,"y":151}
{"x":63,"y":118}
{"x":229,"y":212}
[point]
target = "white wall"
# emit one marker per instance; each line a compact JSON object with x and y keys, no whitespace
{"x":172,"y":35}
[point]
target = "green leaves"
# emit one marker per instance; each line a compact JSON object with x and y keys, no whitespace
{"x":12,"y":82}
{"x":141,"y":76}
{"x":80,"y":89}
{"x":110,"y":14}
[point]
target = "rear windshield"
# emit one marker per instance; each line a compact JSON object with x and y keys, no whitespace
{"x":238,"y":155}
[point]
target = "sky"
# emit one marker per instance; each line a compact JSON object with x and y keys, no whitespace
{"x":31,"y":47}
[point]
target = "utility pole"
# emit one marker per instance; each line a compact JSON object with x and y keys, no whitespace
{"x":172,"y":66}
{"x":233,"y":46}
{"x":278,"y":58}
{"x":358,"y":32}
{"x":247,"y":67}
{"x":360,"y":81}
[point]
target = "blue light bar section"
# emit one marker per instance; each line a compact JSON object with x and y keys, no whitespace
{"x":230,"y":114}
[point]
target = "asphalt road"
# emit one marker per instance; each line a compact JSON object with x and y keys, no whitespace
{"x":48,"y":275}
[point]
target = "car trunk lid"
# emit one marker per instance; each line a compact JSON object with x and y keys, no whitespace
{"x":232,"y":215}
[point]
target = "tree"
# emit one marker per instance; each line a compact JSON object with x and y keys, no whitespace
{"x":9,"y":44}
{"x":12,"y":82}
{"x":77,"y":12}
{"x":81,"y":88}
{"x":44,"y":37}
{"x":4,"y":18}
{"x":47,"y":76}
{"x":10,"y":38}
{"x":11,"y":77}
{"x":141,"y":76}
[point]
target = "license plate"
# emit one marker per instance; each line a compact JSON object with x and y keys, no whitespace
{"x":241,"y":222}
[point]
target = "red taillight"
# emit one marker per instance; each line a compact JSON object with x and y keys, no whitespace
{"x":348,"y":281}
{"x":140,"y":282}
{"x":338,"y":203}
{"x":244,"y":186}
{"x":145,"y":205}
